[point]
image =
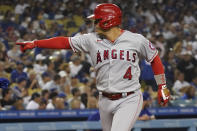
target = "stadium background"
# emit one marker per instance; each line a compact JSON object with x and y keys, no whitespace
{"x":59,"y":85}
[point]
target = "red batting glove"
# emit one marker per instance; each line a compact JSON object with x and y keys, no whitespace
{"x":163,"y":95}
{"x":26,"y":45}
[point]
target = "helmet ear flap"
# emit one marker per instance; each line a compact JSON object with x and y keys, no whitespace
{"x":108,"y":22}
{"x":105,"y":24}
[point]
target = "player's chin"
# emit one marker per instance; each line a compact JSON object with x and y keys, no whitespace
{"x":99,"y":31}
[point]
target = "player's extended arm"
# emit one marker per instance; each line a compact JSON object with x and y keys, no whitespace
{"x":52,"y":43}
{"x":163,"y":92}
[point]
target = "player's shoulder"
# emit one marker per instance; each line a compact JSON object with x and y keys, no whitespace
{"x":135,"y":38}
{"x":91,"y":34}
{"x":87,"y":36}
{"x":134,"y":35}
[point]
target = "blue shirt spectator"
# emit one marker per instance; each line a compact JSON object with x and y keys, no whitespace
{"x":169,"y":71}
{"x":4,"y":83}
{"x":194,"y":82}
{"x":20,"y":89}
{"x":147,"y":74}
{"x":18,"y":72}
{"x":145,"y":111}
{"x":146,"y":71}
{"x":145,"y":114}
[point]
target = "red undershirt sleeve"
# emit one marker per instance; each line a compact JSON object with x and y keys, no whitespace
{"x":157,"y":66}
{"x":158,"y":70}
{"x":53,"y":43}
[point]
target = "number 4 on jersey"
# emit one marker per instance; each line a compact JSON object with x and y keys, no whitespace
{"x":128,"y":75}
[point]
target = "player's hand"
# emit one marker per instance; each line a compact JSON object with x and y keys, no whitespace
{"x":163,"y":95}
{"x":26,"y":45}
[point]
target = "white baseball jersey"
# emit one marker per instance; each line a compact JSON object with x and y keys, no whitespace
{"x":116,"y":63}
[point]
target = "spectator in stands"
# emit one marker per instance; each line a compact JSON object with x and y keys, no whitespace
{"x":52,"y":101}
{"x":84,"y":99}
{"x":187,"y":65}
{"x":14,"y":53}
{"x":64,"y":82}
{"x":53,"y":84}
{"x":60,"y":103}
{"x":177,"y":48}
{"x":92,"y":103}
{"x":189,"y":93}
{"x":45,"y":95}
{"x":3,"y":52}
{"x":180,"y":85}
{"x":194,"y":81}
{"x":20,"y":7}
{"x":18,"y":72}
{"x":63,"y":97}
{"x":75,"y":83}
{"x":3,"y":73}
{"x":66,"y":68}
{"x":75,"y":65}
{"x":44,"y":79}
{"x":189,"y":18}
{"x":34,"y":103}
{"x":147,"y":75}
{"x":145,"y":113}
{"x":18,"y":104}
{"x":40,"y":67}
{"x":58,"y":61}
{"x":20,"y":89}
{"x":76,"y":99}
{"x":84,"y":73}
{"x":51,"y":69}
{"x":7,"y":100}
{"x":160,"y":43}
{"x":169,"y":63}
{"x":43,"y":105}
{"x":65,"y":76}
{"x":75,"y":104}
{"x":32,"y":83}
{"x":82,"y":30}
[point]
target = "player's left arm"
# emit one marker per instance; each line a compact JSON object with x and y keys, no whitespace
{"x":163,"y":92}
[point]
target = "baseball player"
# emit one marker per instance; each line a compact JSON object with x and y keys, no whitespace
{"x":115,"y":56}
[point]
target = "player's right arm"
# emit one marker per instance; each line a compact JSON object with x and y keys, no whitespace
{"x":151,"y":55}
{"x":52,"y":43}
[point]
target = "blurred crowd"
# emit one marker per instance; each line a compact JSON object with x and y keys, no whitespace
{"x":61,"y":79}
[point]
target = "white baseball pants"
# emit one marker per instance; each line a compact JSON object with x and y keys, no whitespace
{"x":121,"y":114}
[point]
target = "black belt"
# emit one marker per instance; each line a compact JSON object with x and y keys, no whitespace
{"x":116,"y":96}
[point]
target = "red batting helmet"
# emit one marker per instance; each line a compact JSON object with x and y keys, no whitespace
{"x":108,"y":14}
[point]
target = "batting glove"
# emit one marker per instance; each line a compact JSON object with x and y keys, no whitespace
{"x":163,"y":95}
{"x":26,"y":45}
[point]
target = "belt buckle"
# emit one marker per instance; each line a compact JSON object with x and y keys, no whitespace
{"x":124,"y":94}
